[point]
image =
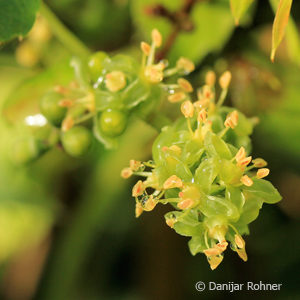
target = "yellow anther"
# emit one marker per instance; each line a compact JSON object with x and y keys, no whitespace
{"x":214,"y":261}
{"x":239,"y":241}
{"x":203,"y":103}
{"x":126,"y":173}
{"x":246,"y":180}
{"x":212,"y":251}
{"x":185,"y":85}
{"x":177,"y":97}
{"x":224,"y":80}
{"x":261,"y":173}
{"x":138,"y":209}
{"x":115,"y":81}
{"x":173,"y":182}
{"x":259,"y":163}
{"x":138,"y":189}
{"x":187,"y":109}
{"x":207,"y":92}
{"x":134,"y":164}
{"x":242,"y":254}
{"x":146,"y":48}
{"x":210,"y":78}
{"x":154,"y":74}
{"x":156,"y":38}
{"x":241,"y":154}
{"x":185,"y":64}
{"x":202,"y":115}
{"x":222,"y":246}
{"x":186,"y":204}
{"x":170,"y":222}
{"x":245,"y":161}
{"x":232,"y":119}
{"x":67,"y":123}
{"x":150,"y":204}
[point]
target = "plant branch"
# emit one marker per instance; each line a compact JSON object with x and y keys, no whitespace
{"x":179,"y":19}
{"x":62,"y":33}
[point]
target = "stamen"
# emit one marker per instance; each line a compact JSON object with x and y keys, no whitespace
{"x":186,"y":203}
{"x":224,"y":80}
{"x":177,"y":97}
{"x":187,"y":109}
{"x":185,"y":85}
{"x":246,"y":180}
{"x":259,"y":163}
{"x":67,"y":123}
{"x":173,"y":182}
{"x":146,"y":48}
{"x":185,"y":64}
{"x":126,"y":173}
{"x":156,"y":38}
{"x":138,"y":189}
{"x":261,"y":173}
{"x":210,"y":78}
{"x":115,"y":81}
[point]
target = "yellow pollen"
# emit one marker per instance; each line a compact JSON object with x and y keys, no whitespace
{"x":185,"y":64}
{"x":185,"y":85}
{"x":245,"y":161}
{"x":115,"y":81}
{"x":177,"y":97}
{"x":261,"y":173}
{"x":239,"y":241}
{"x":246,"y":180}
{"x":259,"y":163}
{"x":224,"y":80}
{"x":173,"y":182}
{"x":138,"y":189}
{"x":126,"y":173}
{"x":154,"y":74}
{"x":210,"y":78}
{"x":170,"y":222}
{"x":187,"y":109}
{"x":146,"y":48}
{"x":156,"y":38}
{"x":202,"y":115}
{"x":241,"y":154}
{"x":134,"y":164}
{"x":186,"y":203}
{"x":138,"y":209}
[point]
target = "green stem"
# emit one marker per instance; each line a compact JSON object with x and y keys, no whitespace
{"x":62,"y":33}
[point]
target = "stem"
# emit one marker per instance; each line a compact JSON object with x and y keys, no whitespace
{"x":222,"y":97}
{"x":62,"y":33}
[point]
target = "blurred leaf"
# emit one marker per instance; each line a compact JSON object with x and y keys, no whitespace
{"x":238,"y":9}
{"x":213,"y":26}
{"x":24,"y":99}
{"x":279,"y":25}
{"x":16,"y":17}
{"x":292,"y":37}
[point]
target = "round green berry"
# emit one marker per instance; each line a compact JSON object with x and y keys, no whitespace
{"x":51,"y":109}
{"x":77,"y":141}
{"x":95,"y":64}
{"x":112,"y":122}
{"x":25,"y":150}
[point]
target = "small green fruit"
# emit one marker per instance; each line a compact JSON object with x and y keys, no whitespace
{"x":77,"y":141}
{"x":95,"y":64}
{"x":112,"y":122}
{"x":51,"y":109}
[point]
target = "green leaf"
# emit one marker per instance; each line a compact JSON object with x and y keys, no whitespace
{"x":238,"y":9}
{"x":24,"y":99}
{"x":236,"y":197}
{"x":292,"y":37}
{"x":215,"y":146}
{"x":16,"y":17}
{"x":212,"y":206}
{"x":253,"y":204}
{"x":206,"y":174}
{"x":279,"y":25}
{"x":264,"y":190}
{"x":197,"y":244}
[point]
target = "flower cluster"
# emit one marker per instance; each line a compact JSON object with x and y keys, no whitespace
{"x":106,"y":91}
{"x":202,"y":167}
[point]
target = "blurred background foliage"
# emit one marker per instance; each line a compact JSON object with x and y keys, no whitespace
{"x":67,"y":227}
